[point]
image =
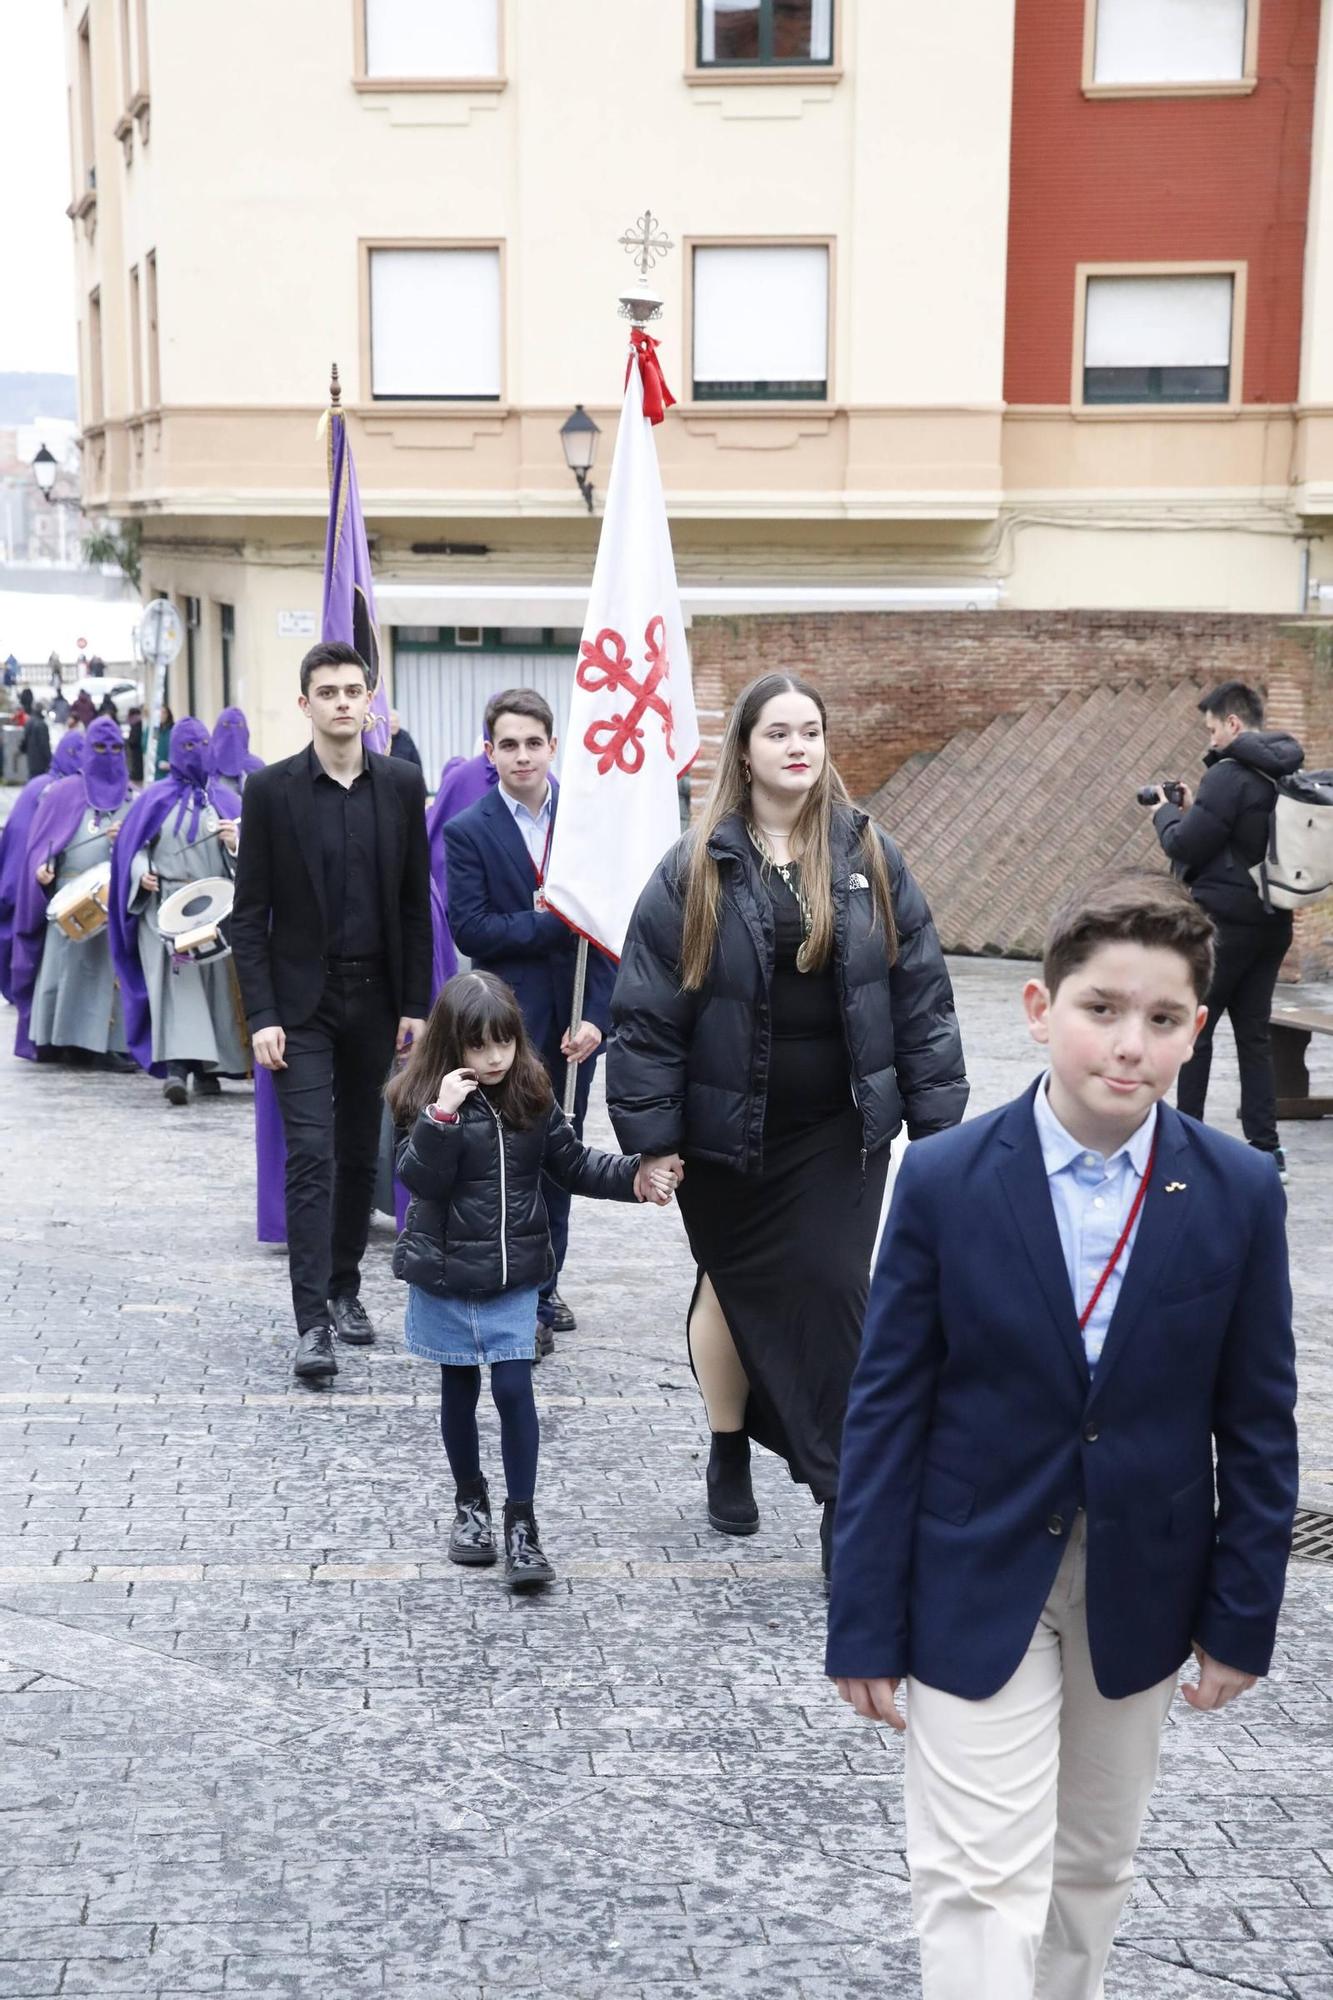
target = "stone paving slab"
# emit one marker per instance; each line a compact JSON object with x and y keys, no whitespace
{"x":261,"y":1738}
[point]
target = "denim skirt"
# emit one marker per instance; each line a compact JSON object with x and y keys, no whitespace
{"x":465,"y":1329}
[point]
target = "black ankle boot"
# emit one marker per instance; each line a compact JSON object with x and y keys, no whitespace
{"x":526,"y":1568}
{"x":826,"y":1539}
{"x":472,"y":1539}
{"x":731,"y":1504}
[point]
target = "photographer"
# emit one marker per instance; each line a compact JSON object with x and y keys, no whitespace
{"x":1213,"y":841}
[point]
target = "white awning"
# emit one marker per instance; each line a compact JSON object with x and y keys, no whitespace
{"x":565,"y":603}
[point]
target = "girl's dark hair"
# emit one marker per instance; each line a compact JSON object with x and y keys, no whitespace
{"x":474,"y":1009}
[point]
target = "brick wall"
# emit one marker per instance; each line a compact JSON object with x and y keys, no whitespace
{"x":897,"y":683}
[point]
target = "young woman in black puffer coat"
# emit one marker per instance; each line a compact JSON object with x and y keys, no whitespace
{"x":476,"y":1245}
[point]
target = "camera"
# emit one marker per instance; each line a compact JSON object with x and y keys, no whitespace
{"x":1174,"y":789}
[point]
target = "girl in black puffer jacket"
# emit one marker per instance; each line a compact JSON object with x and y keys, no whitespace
{"x":476,"y":1245}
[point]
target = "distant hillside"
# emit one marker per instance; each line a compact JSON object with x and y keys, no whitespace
{"x":24,"y":399}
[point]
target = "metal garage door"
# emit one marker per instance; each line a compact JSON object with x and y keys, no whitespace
{"x":442,"y":695}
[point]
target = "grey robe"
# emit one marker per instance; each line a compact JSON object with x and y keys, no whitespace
{"x":195,"y":1008}
{"x":76,"y":1000}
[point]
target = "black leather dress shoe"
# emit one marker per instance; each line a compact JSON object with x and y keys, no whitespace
{"x":472,"y":1538}
{"x":176,"y":1090}
{"x":731,"y":1502}
{"x":314,"y":1352}
{"x":562,"y":1319}
{"x":545,"y":1340}
{"x":207,"y":1085}
{"x":526,"y":1568}
{"x":352,"y":1320}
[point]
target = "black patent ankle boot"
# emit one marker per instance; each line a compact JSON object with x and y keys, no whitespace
{"x":526,"y":1568}
{"x":731,"y":1502}
{"x":472,"y":1539}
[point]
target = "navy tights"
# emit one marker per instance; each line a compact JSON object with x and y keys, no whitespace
{"x":511,"y":1391}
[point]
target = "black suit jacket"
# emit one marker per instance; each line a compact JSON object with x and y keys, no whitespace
{"x":279,"y":926}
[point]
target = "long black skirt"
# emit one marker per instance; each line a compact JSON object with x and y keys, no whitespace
{"x":788,"y":1252}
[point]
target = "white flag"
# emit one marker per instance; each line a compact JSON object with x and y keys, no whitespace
{"x":632,"y":730}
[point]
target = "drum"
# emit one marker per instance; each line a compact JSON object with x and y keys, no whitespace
{"x":195,"y":920}
{"x":80,"y":908}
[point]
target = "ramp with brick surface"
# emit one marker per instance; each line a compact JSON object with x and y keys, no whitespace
{"x":998,"y":823}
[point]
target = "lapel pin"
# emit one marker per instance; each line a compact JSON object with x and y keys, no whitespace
{"x":1175,"y":1187}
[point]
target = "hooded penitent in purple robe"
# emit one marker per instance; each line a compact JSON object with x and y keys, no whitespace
{"x":232,"y":757}
{"x":66,"y":763}
{"x":463,"y":781}
{"x":181,"y":797}
{"x":102,"y":786}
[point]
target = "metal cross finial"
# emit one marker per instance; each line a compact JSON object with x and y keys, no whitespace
{"x":647,"y":242}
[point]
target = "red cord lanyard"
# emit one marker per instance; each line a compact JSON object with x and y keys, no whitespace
{"x":1125,"y":1235}
{"x":540,"y":873}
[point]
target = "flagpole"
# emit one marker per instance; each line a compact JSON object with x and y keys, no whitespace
{"x":576,"y":1022}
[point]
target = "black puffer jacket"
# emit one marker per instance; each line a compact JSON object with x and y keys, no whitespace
{"x":687,"y":1072}
{"x":1224,"y":834}
{"x":477,"y":1222}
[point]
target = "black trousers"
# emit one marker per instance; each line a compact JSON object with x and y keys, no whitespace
{"x":329,"y":1096}
{"x":557,"y":1199}
{"x":1249,"y":958}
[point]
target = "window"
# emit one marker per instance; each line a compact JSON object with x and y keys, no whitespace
{"x":1158,"y":339}
{"x":154,"y":367}
{"x":136,"y":341}
{"x":95,"y":403}
{"x":88,"y":161}
{"x":226,"y":645}
{"x":740,"y":33}
{"x":435,"y":324}
{"x":1169,"y":41}
{"x":761,"y":321}
{"x":432,"y":38}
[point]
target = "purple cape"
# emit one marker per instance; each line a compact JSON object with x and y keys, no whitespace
{"x":14,"y":841}
{"x":463,"y":781}
{"x":141,"y":826}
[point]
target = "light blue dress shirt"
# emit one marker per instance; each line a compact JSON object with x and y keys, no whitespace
{"x":1092,"y":1197}
{"x":534,"y":827}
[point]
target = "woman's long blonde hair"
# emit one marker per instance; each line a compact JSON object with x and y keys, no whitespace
{"x":811,"y":839}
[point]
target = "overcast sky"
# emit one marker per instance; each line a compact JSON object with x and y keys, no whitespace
{"x":37,"y":316}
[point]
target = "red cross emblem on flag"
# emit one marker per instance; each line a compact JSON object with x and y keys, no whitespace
{"x":604,"y":664}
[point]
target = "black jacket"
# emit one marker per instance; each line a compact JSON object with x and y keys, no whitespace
{"x":1224,"y":834}
{"x":687,"y":1071}
{"x":477,"y":1222}
{"x":37,"y":747}
{"x":279,"y":926}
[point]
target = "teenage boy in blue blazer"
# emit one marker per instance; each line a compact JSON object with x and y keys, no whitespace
{"x":496,"y":854}
{"x":1078,"y":1299}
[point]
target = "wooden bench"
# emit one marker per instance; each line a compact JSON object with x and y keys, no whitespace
{"x":1292,"y":1028}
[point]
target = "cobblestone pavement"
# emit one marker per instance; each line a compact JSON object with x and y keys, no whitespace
{"x":262,"y":1739}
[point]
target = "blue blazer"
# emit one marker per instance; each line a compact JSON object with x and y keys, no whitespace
{"x":974,"y":1430}
{"x":491,"y":882}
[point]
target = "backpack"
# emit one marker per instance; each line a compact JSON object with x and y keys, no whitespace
{"x":1298,"y":867}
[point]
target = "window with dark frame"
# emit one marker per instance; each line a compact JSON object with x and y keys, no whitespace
{"x":753,"y":34}
{"x":1158,"y":338}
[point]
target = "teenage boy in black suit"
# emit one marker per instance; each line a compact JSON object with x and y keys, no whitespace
{"x":331,"y":934}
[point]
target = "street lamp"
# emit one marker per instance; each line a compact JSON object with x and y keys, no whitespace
{"x":578,"y":440}
{"x":44,"y":469}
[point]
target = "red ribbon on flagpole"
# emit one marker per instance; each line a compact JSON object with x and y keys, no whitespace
{"x":657,"y":398}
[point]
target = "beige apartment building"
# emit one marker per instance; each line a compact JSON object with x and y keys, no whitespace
{"x":979,"y":314}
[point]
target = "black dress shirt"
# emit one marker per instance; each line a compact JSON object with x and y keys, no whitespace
{"x":350,"y":848}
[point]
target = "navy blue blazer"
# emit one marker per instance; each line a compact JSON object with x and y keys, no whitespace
{"x":491,"y":883}
{"x":974,"y":1430}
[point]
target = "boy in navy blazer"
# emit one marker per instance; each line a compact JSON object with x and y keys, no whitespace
{"x":1079,"y":1300}
{"x":496,"y":855}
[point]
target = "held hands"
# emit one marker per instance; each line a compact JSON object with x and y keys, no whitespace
{"x":268,"y":1045}
{"x":455,"y":1089}
{"x":873,"y":1699}
{"x":657,"y":1178}
{"x":229,"y":833}
{"x":578,"y":1047}
{"x":1217,"y":1685}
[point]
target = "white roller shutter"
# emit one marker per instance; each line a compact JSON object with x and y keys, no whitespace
{"x":1164,"y":322}
{"x":435,"y":322}
{"x":1169,"y":41}
{"x":761,"y":313}
{"x":432,"y":38}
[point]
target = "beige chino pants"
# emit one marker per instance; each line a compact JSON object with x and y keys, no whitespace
{"x":1024,"y":1813}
